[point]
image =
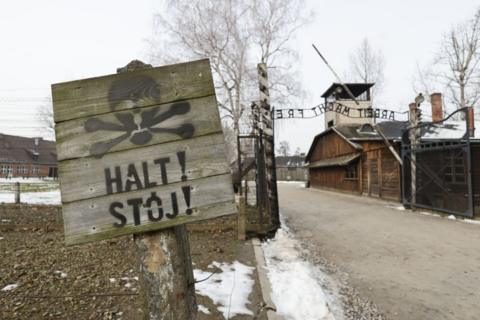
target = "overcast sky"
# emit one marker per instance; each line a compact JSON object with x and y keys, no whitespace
{"x":45,"y":42}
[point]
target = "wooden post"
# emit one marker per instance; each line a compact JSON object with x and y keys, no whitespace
{"x":413,"y":155}
{"x":17,"y":192}
{"x":380,"y":172}
{"x":166,"y":275}
{"x":242,"y":219}
{"x":269,"y":147}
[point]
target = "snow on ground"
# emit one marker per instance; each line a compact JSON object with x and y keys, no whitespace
{"x":46,"y":197}
{"x":431,"y":214}
{"x":228,"y":289}
{"x":10,"y":287}
{"x":203,"y":309}
{"x":22,"y":180}
{"x":296,"y":283}
{"x":61,"y":273}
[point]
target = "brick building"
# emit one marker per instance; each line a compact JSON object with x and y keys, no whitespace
{"x":27,"y":157}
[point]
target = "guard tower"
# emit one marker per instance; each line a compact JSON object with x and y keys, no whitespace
{"x":336,"y":96}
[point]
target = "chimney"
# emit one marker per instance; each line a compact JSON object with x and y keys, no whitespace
{"x":471,"y":121}
{"x":437,"y":108}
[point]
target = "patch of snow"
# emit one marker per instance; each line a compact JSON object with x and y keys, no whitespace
{"x":129,"y":278}
{"x":228,"y":289}
{"x":296,"y":284}
{"x":1,"y":238}
{"x":112,"y":280}
{"x":471,"y":221}
{"x":7,"y":197}
{"x":287,"y":181}
{"x":61,"y":273}
{"x":10,"y":287}
{"x":203,"y":309}
{"x":451,"y":217}
{"x":6,"y":220}
{"x":46,"y":197}
{"x":425,"y":213}
{"x":27,"y":180}
{"x":447,"y":130}
{"x":128,"y":285}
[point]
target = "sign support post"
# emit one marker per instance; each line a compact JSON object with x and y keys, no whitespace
{"x":414,"y":140}
{"x":166,"y":275}
{"x":267,"y":134}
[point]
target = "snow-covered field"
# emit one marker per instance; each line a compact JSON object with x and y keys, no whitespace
{"x":22,"y":180}
{"x":228,"y":289}
{"x":296,"y":284}
{"x":46,"y":197}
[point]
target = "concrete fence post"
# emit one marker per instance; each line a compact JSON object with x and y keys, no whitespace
{"x":17,"y":192}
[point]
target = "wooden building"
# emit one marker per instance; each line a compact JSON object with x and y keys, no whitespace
{"x":27,"y":157}
{"x":291,"y":168}
{"x":353,"y":158}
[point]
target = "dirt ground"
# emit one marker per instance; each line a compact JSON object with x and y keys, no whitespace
{"x":412,"y":266}
{"x":97,"y":280}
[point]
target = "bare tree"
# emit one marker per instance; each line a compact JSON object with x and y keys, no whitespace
{"x":367,"y":66}
{"x":455,"y":70}
{"x":283,"y":148}
{"x":45,"y":116}
{"x":235,"y":35}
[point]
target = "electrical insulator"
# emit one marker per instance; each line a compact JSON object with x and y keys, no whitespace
{"x":418,"y":114}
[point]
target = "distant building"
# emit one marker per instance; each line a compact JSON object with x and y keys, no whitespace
{"x":27,"y":157}
{"x":291,"y":168}
{"x":354,"y":158}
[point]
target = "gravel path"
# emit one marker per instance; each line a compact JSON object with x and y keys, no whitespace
{"x":411,"y":266}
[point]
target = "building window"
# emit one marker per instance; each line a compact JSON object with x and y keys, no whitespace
{"x":454,"y":168}
{"x":330,"y":123}
{"x":351,"y":172}
{"x":4,"y":169}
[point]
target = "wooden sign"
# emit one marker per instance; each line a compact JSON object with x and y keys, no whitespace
{"x":140,"y":151}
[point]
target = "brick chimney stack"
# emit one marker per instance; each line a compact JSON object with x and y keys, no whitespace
{"x":437,"y":108}
{"x":471,"y":121}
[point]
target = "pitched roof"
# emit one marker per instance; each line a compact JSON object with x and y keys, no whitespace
{"x":334,"y":162}
{"x":359,"y":132}
{"x":356,"y":89}
{"x":18,"y":149}
{"x":353,"y":132}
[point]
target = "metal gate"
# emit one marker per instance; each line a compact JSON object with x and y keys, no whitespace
{"x":443,"y":179}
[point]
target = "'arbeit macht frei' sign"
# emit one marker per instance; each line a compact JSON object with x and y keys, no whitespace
{"x":140,"y":151}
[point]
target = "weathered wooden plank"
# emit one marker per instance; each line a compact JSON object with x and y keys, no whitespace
{"x":94,"y":96}
{"x":118,"y":131}
{"x":187,"y":159}
{"x":134,"y":212}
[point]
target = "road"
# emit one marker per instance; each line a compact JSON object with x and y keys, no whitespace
{"x":412,"y":266}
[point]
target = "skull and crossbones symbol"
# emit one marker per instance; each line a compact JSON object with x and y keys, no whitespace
{"x":138,"y":126}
